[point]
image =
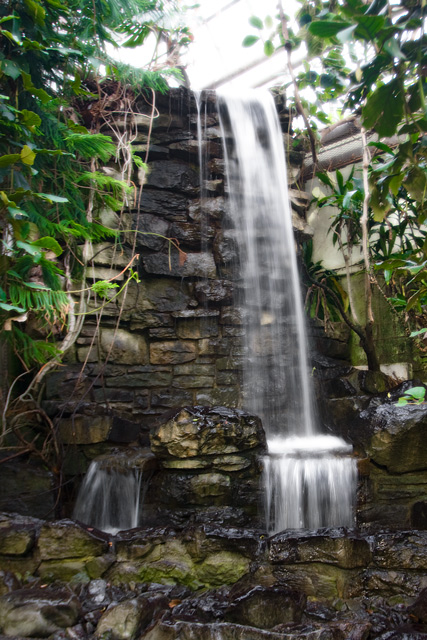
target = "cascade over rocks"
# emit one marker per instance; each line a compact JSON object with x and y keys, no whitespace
{"x":388,"y":440}
{"x":202,"y":567}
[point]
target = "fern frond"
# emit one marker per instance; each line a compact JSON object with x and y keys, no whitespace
{"x":91,"y":145}
{"x":30,"y":351}
{"x":44,"y":302}
{"x":142,"y":79}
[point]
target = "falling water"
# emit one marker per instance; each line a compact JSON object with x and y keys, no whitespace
{"x":309,"y":483}
{"x":109,"y":497}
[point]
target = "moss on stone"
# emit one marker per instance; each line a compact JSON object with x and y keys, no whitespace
{"x":224,"y":567}
{"x":65,"y":570}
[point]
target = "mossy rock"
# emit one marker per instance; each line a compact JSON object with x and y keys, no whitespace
{"x":66,"y":539}
{"x":65,"y":571}
{"x":224,"y":567}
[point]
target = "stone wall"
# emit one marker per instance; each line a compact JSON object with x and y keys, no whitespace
{"x":178,"y":339}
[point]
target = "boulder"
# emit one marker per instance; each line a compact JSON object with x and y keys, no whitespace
{"x":17,"y":537}
{"x":37,"y":612}
{"x":337,"y":547}
{"x":397,"y":436}
{"x":207,"y":431}
{"x":266,"y":607}
{"x":66,"y":539}
{"x":125,"y":620}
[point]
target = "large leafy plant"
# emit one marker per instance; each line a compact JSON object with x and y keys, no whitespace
{"x":52,"y":187}
{"x":368,"y":59}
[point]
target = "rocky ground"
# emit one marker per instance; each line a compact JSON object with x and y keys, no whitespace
{"x":65,"y":581}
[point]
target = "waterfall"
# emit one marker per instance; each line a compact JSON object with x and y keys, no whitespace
{"x":309,"y":481}
{"x":109,"y":497}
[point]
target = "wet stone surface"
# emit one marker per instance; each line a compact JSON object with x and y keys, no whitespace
{"x":206,"y":581}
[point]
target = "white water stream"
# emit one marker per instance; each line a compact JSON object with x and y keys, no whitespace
{"x":109,"y":496}
{"x":309,"y":478}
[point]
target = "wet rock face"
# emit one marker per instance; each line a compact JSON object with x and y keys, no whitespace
{"x":37,"y":612}
{"x":209,"y":581}
{"x":166,"y":319}
{"x":389,"y":441}
{"x":398,"y":437}
{"x":204,"y":431}
{"x":208,"y":456}
{"x":267,"y":607}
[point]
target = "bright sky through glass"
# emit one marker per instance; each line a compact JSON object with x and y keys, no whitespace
{"x":217,"y":56}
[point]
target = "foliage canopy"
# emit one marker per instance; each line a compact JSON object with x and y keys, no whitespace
{"x":52,"y":59}
{"x":370,"y":58}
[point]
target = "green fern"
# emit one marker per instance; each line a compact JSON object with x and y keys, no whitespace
{"x":142,"y":79}
{"x":29,"y":350}
{"x":91,"y":145}
{"x":43,"y":302}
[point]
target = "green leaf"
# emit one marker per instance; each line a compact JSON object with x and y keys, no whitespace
{"x":347,"y":34}
{"x":369,"y":27}
{"x":327,"y":28}
{"x":383,"y":110}
{"x":380,"y":145}
{"x":102,"y":287}
{"x":416,"y":392}
{"x":48,"y":243}
{"x":11,"y":16}
{"x":347,"y":199}
{"x":17,"y":213}
{"x":29,"y":118}
{"x":249,"y":41}
{"x":401,"y":402}
{"x":268,"y":48}
{"x":395,"y":183}
{"x":36,"y":11}
{"x":414,"y":300}
{"x":10,"y":68}
{"x":27,"y":155}
{"x":41,"y":94}
{"x":392,"y":47}
{"x":50,"y":197}
{"x":6,"y":161}
{"x":256,"y":22}
{"x":380,"y":206}
{"x":28,"y":247}
{"x":416,"y":183}
{"x":11,"y":307}
{"x":36,"y":285}
{"x":388,"y":274}
{"x":414,"y":334}
{"x":10,"y":36}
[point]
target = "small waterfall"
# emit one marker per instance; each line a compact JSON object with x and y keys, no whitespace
{"x":309,"y":481}
{"x":109,"y":497}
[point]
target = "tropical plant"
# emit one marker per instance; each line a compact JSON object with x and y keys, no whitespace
{"x":325,"y":295}
{"x":53,"y":65}
{"x":51,"y":190}
{"x":415,"y":395}
{"x":385,"y":45}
